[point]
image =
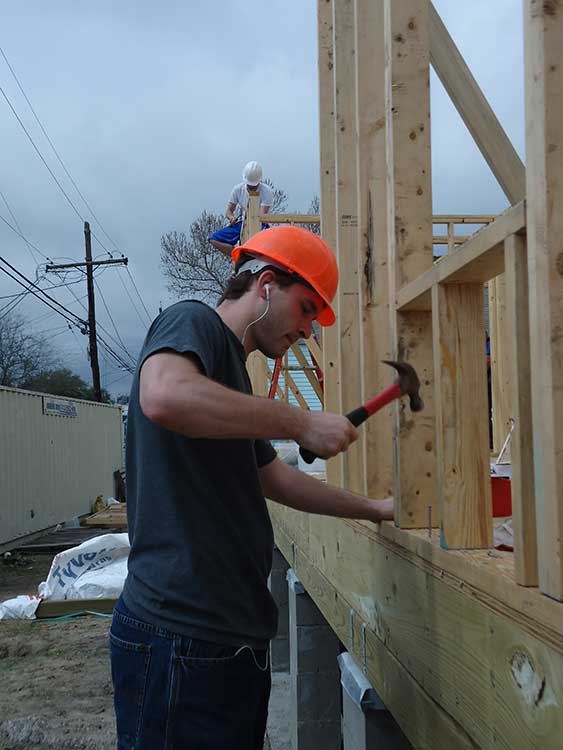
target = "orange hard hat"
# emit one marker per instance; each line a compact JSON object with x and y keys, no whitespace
{"x":300,"y":252}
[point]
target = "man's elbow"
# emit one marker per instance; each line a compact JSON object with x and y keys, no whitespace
{"x":155,"y":405}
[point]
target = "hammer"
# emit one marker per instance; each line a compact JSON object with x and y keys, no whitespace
{"x":407,"y":383}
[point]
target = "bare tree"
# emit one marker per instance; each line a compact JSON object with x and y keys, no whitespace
{"x":23,"y":355}
{"x":191,"y":265}
{"x":315,"y":209}
{"x":279,"y":201}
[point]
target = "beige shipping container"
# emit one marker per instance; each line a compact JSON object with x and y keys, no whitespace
{"x":56,"y":456}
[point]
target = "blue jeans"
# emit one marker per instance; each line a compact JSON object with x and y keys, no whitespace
{"x":179,"y":693}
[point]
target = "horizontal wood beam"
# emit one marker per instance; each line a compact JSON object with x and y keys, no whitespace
{"x":293,"y":218}
{"x":50,"y":608}
{"x":463,"y":218}
{"x":443,"y":240}
{"x":475,"y":111}
{"x":436,"y":219}
{"x":479,"y":259}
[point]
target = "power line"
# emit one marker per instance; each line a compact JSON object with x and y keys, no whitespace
{"x":31,"y":283}
{"x":74,"y":322}
{"x":15,"y":302}
{"x":116,"y":380}
{"x":69,"y":177}
{"x":67,"y":284}
{"x":20,"y":234}
{"x":89,"y":207}
{"x":28,"y":245}
{"x":25,"y":130}
{"x":110,"y":317}
{"x":138,"y":294}
{"x":53,"y":175}
{"x":130,"y":297}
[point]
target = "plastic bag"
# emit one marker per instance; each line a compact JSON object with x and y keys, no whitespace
{"x":19,"y":608}
{"x":96,"y":569}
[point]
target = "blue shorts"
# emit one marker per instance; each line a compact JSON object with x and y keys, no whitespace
{"x":231,"y":234}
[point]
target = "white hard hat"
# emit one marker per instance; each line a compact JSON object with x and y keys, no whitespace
{"x":252,"y":173}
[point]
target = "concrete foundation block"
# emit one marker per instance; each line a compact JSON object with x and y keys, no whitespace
{"x":317,"y":735}
{"x":279,"y":654}
{"x":316,"y":648}
{"x":304,"y":611}
{"x":315,"y":677}
{"x":317,"y":696}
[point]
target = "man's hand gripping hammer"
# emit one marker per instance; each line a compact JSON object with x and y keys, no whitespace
{"x":406,"y":384}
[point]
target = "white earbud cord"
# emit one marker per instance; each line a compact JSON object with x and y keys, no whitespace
{"x":257,"y":319}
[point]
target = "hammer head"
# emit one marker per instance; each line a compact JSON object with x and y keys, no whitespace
{"x":408,"y":383}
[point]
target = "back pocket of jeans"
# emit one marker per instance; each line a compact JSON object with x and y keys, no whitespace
{"x":129,"y":670}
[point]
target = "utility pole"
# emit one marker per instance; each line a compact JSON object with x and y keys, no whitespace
{"x":93,"y":341}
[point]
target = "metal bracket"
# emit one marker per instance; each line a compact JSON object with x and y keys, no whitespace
{"x":357,"y":685}
{"x":293,"y":582}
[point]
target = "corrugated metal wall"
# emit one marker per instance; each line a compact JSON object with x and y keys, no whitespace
{"x":53,"y":467}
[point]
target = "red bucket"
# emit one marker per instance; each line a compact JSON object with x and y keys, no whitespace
{"x":502,"y":496}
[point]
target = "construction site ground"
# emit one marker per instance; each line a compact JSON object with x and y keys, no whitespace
{"x":55,"y":683}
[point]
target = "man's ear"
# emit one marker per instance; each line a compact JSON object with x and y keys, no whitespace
{"x":265,"y":284}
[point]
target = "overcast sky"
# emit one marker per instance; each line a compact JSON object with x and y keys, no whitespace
{"x":154,"y":109}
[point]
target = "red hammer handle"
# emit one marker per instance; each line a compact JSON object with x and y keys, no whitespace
{"x":359,"y":415}
{"x":382,"y":399}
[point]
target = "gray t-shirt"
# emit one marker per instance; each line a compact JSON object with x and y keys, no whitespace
{"x":201,"y":536}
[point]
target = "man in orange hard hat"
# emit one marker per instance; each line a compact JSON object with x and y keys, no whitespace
{"x":190,"y":633}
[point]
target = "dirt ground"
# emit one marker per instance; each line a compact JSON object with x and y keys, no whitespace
{"x":55,"y":683}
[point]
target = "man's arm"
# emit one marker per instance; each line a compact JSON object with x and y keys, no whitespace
{"x":298,"y":490}
{"x":264,"y":210}
{"x":231,"y":212}
{"x":174,"y":393}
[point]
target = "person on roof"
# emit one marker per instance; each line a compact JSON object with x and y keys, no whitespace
{"x":190,"y":632}
{"x":225,"y":239}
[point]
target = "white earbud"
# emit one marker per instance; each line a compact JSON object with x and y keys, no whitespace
{"x":267,"y":288}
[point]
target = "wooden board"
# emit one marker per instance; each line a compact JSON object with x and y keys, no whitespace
{"x":409,"y":230}
{"x":481,"y":258}
{"x":114,"y":515}
{"x":522,"y":450}
{"x":543,"y":25}
{"x":73,"y":606}
{"x":441,"y":658}
{"x":500,"y":364}
{"x":329,"y":363}
{"x":58,"y":541}
{"x":372,"y":242}
{"x":347,"y":231}
{"x":462,"y":413}
{"x":293,"y":219}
